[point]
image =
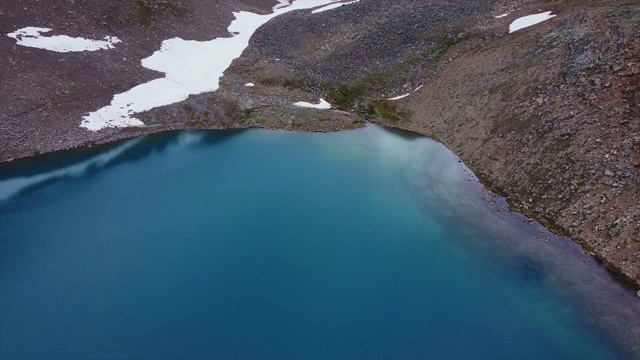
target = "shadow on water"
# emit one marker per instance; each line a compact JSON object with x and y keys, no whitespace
{"x":404,"y":134}
{"x":529,"y":270}
{"x":446,"y":190}
{"x":530,"y":254}
{"x":517,"y":249}
{"x":29,"y":175}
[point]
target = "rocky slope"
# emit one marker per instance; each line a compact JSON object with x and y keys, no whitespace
{"x":548,"y":116}
{"x":44,"y":94}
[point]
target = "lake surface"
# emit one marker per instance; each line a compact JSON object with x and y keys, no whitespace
{"x":260,"y":244}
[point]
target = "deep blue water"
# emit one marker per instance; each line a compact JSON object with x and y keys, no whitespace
{"x":259,"y":244}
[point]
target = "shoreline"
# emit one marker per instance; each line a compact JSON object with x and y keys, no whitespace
{"x":545,"y":117}
{"x":614,"y":271}
{"x":474,"y":222}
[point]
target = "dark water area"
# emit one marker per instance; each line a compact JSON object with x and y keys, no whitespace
{"x":259,"y":244}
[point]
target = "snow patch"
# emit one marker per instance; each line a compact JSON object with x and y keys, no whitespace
{"x":323,"y":105}
{"x":502,"y":15}
{"x":190,"y":68}
{"x":33,"y":37}
{"x":250,"y":84}
{"x":333,"y":6}
{"x":282,"y":4}
{"x":529,"y":20}
{"x":399,"y":97}
{"x":405,"y":95}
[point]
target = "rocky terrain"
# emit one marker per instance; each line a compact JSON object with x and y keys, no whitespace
{"x":547,"y":116}
{"x":43,"y":93}
{"x":550,"y":118}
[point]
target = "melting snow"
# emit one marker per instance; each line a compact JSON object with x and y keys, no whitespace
{"x":282,"y":4}
{"x":323,"y":104}
{"x":190,"y":67}
{"x":32,"y":37}
{"x":405,"y":95}
{"x":400,"y":97}
{"x":333,"y":6}
{"x":529,"y":20}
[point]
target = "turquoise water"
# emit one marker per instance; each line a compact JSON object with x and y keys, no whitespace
{"x":259,"y":244}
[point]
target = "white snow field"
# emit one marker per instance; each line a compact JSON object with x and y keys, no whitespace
{"x":322,"y":105}
{"x":33,"y":37}
{"x":529,"y":20}
{"x":400,"y":97}
{"x":333,"y":6}
{"x":190,"y":68}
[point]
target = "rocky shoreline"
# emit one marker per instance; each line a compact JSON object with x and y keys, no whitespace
{"x":547,"y":118}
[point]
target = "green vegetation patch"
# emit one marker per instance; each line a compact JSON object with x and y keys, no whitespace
{"x":144,"y":12}
{"x":343,"y":96}
{"x":355,"y":96}
{"x":388,"y":110}
{"x":362,"y":95}
{"x":291,"y":83}
{"x":196,"y":118}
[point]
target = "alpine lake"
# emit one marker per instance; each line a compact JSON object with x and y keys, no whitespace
{"x":256,"y":244}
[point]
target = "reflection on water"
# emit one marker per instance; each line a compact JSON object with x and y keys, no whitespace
{"x":21,"y":178}
{"x":528,"y":253}
{"x":296,"y":244}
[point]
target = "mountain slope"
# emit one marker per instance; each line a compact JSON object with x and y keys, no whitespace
{"x":547,"y":116}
